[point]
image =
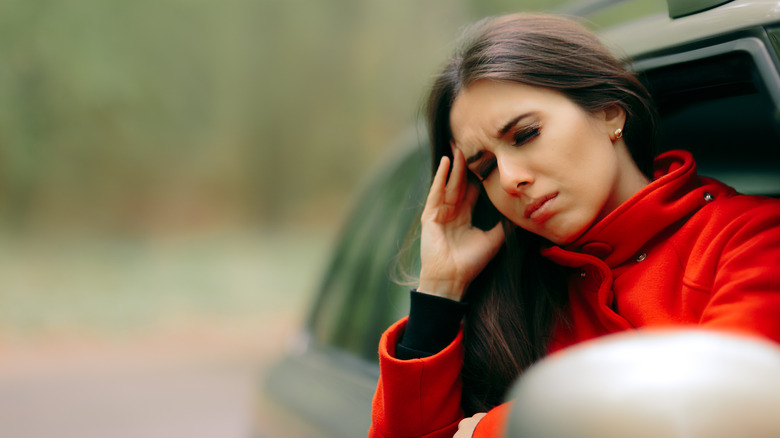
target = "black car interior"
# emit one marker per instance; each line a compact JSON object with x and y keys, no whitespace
{"x":717,"y":105}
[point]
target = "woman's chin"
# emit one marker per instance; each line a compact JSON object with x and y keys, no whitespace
{"x":555,"y":232}
{"x":563,"y":237}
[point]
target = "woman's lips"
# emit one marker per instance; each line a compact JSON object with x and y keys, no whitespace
{"x":536,"y":205}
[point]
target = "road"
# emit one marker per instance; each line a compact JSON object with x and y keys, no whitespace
{"x":193,"y":373}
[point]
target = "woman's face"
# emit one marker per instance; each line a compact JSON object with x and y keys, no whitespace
{"x":546,"y":164}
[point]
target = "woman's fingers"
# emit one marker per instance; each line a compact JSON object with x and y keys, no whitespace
{"x":467,"y":426}
{"x":445,"y":199}
{"x":455,"y":189}
{"x":472,"y":193}
{"x":436,"y":194}
{"x":451,"y":199}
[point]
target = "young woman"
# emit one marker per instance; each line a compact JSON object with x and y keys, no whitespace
{"x":548,"y":223}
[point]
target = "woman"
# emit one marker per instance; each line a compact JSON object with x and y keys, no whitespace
{"x":548,"y":224}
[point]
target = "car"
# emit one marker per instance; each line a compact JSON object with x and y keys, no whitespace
{"x":712,"y":68}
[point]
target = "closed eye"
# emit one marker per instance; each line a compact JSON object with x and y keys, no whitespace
{"x":484,"y":168}
{"x":525,"y":135}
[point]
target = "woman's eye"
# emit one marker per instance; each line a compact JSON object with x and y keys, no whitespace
{"x":483,"y":169}
{"x":525,"y":135}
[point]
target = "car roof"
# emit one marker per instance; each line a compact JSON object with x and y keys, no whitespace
{"x":658,"y":32}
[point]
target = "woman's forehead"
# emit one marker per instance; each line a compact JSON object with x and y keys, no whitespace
{"x":489,"y":108}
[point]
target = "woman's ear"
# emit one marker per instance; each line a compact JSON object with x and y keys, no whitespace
{"x":614,"y":117}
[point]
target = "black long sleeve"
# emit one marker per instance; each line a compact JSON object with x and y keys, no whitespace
{"x":433,"y":324}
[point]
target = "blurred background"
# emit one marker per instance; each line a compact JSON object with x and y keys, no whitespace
{"x":172,"y":174}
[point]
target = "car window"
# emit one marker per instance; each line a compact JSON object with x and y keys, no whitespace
{"x":360,"y":296}
{"x":721,"y":103}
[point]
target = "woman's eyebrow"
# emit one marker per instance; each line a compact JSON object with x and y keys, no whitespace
{"x":502,"y":132}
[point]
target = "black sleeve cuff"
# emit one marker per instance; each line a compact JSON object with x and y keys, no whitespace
{"x":433,"y":324}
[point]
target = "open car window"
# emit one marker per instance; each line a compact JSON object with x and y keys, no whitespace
{"x":361,"y":294}
{"x":721,"y":103}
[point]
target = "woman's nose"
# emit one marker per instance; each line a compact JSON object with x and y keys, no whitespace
{"x":514,"y":176}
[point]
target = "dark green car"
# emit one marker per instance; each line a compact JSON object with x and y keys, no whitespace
{"x":712,"y":67}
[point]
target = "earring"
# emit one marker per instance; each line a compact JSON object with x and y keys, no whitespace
{"x":617,"y":134}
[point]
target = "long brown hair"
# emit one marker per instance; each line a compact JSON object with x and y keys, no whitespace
{"x":518,"y":298}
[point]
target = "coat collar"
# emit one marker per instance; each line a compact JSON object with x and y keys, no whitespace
{"x":675,"y":193}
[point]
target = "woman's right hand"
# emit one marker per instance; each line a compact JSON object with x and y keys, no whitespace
{"x":452,"y":250}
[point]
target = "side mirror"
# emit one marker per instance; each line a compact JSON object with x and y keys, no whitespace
{"x":693,"y":384}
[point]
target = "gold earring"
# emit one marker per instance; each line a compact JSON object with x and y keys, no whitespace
{"x":617,"y":134}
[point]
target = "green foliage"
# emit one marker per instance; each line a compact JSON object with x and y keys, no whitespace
{"x":155,"y":114}
{"x":495,"y":7}
{"x":626,"y":11}
{"x":127,"y":116}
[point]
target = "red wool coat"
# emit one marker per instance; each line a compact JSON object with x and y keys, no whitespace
{"x":685,"y":250}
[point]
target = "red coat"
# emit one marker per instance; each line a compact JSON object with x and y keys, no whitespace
{"x":685,"y":250}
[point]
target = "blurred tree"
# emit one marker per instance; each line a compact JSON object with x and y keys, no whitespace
{"x":494,"y":7}
{"x":132,"y":117}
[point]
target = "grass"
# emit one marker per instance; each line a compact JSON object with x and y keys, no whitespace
{"x":120,"y":287}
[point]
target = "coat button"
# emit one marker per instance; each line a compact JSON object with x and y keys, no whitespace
{"x":597,"y":249}
{"x":583,"y":274}
{"x":708,"y":197}
{"x":641,"y":257}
